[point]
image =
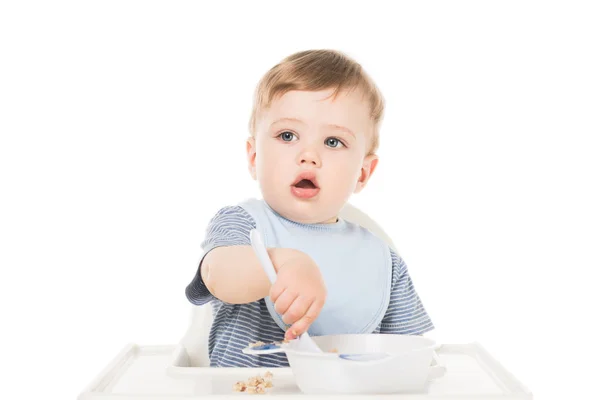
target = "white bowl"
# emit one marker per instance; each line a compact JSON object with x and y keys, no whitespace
{"x":412,"y":362}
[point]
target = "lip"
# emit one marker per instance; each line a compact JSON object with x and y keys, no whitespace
{"x":305,"y":193}
{"x":309,"y":175}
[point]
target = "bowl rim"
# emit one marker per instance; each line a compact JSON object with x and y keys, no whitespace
{"x":286,"y":347}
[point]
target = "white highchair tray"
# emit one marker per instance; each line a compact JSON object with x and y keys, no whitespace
{"x":163,"y":372}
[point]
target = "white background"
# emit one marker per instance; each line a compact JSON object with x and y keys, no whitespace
{"x":123,"y":127}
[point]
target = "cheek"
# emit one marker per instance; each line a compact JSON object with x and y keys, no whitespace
{"x":266,"y":158}
{"x":348,"y":166}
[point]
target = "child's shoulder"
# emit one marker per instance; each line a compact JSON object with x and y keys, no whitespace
{"x":231,"y":214}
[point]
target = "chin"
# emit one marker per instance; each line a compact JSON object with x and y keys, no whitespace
{"x":307,"y":212}
{"x":293,"y":209}
{"x":299,"y":213}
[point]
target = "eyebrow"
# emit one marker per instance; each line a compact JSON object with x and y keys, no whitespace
{"x":333,"y":126}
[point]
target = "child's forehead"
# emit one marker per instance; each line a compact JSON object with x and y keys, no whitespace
{"x":348,"y":109}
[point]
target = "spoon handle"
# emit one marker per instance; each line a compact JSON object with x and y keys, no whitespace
{"x":261,"y":252}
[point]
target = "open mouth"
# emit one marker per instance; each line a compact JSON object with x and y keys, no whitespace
{"x":305,"y":184}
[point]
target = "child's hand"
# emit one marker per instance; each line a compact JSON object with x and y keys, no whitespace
{"x":298,"y":293}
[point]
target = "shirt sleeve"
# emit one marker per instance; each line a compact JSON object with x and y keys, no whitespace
{"x":405,"y":314}
{"x":230,"y":226}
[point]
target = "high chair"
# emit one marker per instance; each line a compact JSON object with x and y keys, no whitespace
{"x":182,"y":370}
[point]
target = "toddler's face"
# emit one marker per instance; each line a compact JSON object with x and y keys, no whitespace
{"x":309,"y":153}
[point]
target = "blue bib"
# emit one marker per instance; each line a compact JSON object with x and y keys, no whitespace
{"x":355,"y":264}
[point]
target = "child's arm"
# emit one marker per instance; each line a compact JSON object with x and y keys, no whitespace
{"x":234,"y":275}
{"x":230,"y":272}
{"x":228,"y":228}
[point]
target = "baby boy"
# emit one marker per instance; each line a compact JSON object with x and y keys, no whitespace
{"x":314,"y":131}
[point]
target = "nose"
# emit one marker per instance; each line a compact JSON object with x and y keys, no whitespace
{"x":309,"y":157}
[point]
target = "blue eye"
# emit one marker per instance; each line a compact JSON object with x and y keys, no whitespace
{"x":333,"y":142}
{"x":287,"y":136}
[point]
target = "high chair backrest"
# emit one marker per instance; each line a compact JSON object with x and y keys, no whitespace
{"x":195,"y":340}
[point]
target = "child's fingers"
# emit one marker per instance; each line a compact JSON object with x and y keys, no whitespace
{"x":302,"y":325}
{"x":285,"y":301}
{"x":276,"y":290}
{"x":290,"y":334}
{"x":298,"y":308}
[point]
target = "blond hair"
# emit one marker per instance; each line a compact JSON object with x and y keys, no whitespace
{"x":315,"y":70}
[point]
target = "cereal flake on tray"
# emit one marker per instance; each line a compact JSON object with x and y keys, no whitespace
{"x":255,"y":384}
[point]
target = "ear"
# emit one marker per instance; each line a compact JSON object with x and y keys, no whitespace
{"x":366,"y":171}
{"x":251,"y":155}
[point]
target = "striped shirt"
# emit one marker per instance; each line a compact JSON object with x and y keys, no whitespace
{"x":237,"y":325}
